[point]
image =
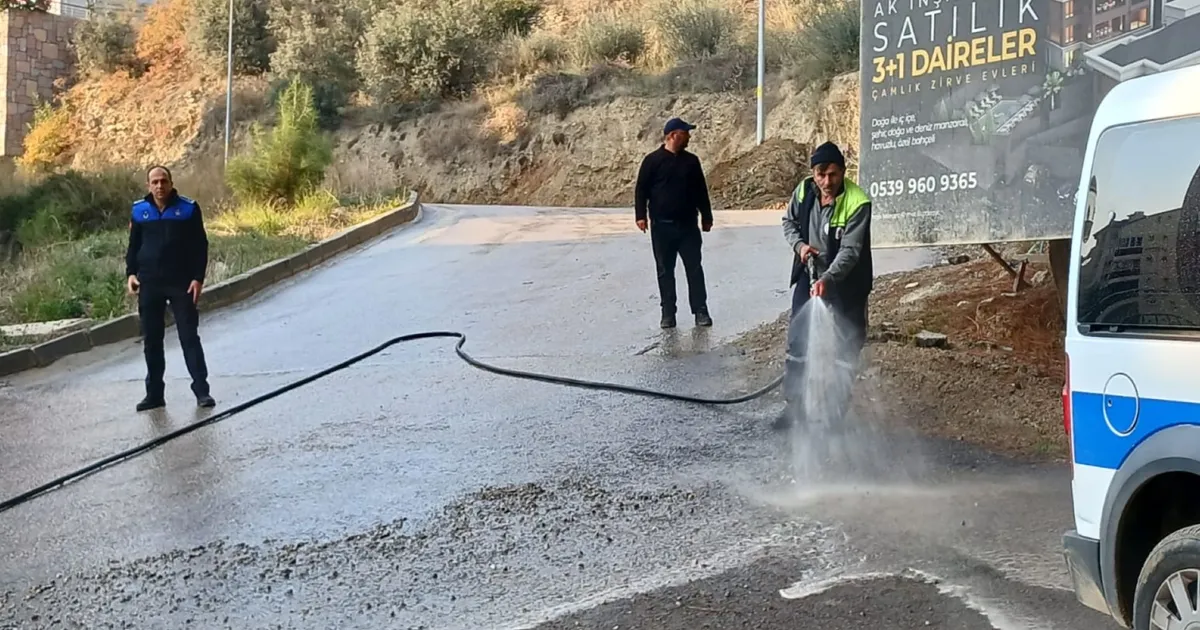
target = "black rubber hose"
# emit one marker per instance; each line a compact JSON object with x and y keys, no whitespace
{"x":458,"y":349}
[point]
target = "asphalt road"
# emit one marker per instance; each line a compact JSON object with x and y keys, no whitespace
{"x":411,"y":491}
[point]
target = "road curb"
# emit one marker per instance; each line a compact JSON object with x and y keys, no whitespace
{"x":219,"y":295}
{"x":17,"y":361}
{"x":50,"y":351}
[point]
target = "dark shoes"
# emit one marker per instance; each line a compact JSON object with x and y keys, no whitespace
{"x":702,"y":319}
{"x":151,"y":402}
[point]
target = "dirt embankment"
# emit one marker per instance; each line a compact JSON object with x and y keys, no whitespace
{"x":566,"y":141}
{"x":997,"y":381}
{"x":589,"y":157}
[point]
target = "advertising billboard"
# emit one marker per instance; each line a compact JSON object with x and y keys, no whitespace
{"x":975,"y":113}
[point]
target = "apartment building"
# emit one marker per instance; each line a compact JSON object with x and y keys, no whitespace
{"x":1076,"y":26}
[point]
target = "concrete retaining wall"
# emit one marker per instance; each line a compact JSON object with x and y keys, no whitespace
{"x":217,"y":296}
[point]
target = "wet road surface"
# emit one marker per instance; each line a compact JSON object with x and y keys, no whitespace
{"x":412,"y":491}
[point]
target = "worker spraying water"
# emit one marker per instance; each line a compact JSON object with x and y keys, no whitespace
{"x":828,"y":226}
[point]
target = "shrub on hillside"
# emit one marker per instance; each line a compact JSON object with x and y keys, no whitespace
{"x":530,"y":55}
{"x":732,"y":70}
{"x":317,"y":44}
{"x":415,"y":53}
{"x":828,"y":45}
{"x":288,"y":160}
{"x":47,"y":145}
{"x":514,"y":16}
{"x":105,"y":43}
{"x":158,"y":40}
{"x":561,"y":93}
{"x":69,"y":205}
{"x":698,"y":29}
{"x":252,"y":41}
{"x":608,"y":37}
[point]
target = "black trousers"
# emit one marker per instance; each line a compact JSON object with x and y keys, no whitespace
{"x":153,"y":299}
{"x":683,"y":240}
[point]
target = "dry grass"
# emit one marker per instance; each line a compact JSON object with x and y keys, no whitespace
{"x":369,"y":176}
{"x":314,"y":217}
{"x":505,"y":120}
{"x":160,"y":42}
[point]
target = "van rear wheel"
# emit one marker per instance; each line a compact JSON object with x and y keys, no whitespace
{"x":1168,"y":590}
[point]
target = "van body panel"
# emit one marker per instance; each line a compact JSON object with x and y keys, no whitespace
{"x":1133,"y":384}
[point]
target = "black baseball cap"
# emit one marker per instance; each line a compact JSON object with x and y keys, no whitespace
{"x":677,"y":124}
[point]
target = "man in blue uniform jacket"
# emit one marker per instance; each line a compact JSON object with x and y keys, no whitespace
{"x":165,"y":264}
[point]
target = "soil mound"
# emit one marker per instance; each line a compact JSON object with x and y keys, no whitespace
{"x":761,"y":178}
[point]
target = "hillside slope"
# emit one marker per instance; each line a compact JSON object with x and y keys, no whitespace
{"x":545,"y":123}
{"x":590,"y":156}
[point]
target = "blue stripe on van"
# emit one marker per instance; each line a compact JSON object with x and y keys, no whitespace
{"x":1097,"y":445}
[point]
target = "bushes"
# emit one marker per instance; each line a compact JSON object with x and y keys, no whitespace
{"x":521,"y":57}
{"x":317,"y":44}
{"x":47,"y":145}
{"x":827,"y":46}
{"x":81,"y":279}
{"x":252,"y":41}
{"x":513,"y":16}
{"x":287,"y":161}
{"x":697,"y":29}
{"x":606,"y":38}
{"x":105,"y":44}
{"x":562,"y":92}
{"x":414,"y":53}
{"x":158,"y":39}
{"x":68,"y":205}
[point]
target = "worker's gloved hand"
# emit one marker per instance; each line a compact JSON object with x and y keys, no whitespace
{"x":805,"y":251}
{"x":818,"y":289}
{"x":706,"y":226}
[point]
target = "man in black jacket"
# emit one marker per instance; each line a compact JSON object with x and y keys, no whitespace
{"x":165,"y":263}
{"x":669,"y":193}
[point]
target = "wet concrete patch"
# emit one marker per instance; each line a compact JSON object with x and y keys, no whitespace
{"x":490,"y":559}
{"x":749,"y":597}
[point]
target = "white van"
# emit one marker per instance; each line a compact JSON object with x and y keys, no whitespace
{"x":1131,"y":401}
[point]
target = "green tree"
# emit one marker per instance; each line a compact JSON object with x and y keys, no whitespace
{"x":414,"y":52}
{"x":317,"y":43}
{"x":288,"y":160}
{"x":252,"y":41}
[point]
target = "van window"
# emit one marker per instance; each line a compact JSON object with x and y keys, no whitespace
{"x":1140,"y":255}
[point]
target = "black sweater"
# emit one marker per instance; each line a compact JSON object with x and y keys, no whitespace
{"x":671,"y":187}
{"x":167,"y":246}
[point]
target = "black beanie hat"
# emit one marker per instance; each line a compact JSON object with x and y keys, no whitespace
{"x":828,"y":153}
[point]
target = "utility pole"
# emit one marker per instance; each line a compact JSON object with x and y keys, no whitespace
{"x":229,"y":85}
{"x":762,"y":65}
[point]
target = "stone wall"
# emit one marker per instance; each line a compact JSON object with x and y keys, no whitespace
{"x":35,"y":51}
